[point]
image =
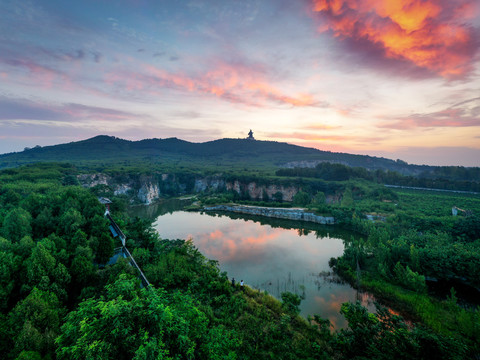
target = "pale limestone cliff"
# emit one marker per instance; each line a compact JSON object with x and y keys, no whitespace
{"x":147,"y":189}
{"x":256,"y":191}
{"x":148,"y":193}
{"x":122,"y":189}
{"x":280,"y":213}
{"x":214,"y":183}
{"x":91,"y":180}
{"x":144,"y":189}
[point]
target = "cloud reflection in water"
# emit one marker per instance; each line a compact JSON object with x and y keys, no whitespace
{"x":268,"y":258}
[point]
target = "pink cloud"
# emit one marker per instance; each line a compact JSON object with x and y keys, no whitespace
{"x":308,"y":136}
{"x":236,"y":83}
{"x":40,"y":73}
{"x":431,"y":35}
{"x":22,"y":109}
{"x":32,"y":72}
{"x":462,"y":114}
{"x":321,"y":127}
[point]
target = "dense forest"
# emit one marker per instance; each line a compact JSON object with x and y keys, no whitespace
{"x":443,"y":178}
{"x":60,"y":297}
{"x":172,"y":154}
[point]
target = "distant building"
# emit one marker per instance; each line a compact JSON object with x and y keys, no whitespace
{"x":250,"y":135}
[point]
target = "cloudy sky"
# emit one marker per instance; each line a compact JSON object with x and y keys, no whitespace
{"x":393,"y":78}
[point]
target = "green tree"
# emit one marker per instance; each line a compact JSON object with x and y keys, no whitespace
{"x":301,"y":198}
{"x":17,"y":224}
{"x":78,"y":239}
{"x":82,"y":268}
{"x":71,"y":221}
{"x":291,"y":302}
{"x":278,"y":196}
{"x":103,"y":247}
{"x":11,"y":197}
{"x":44,"y":224}
{"x":347,"y":199}
{"x":387,"y":336}
{"x":35,"y":322}
{"x":319,"y":198}
{"x":9,"y":266}
{"x":44,"y":272}
{"x":133,"y":323}
{"x":40,"y":264}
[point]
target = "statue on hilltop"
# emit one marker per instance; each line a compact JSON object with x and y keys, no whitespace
{"x":250,"y":135}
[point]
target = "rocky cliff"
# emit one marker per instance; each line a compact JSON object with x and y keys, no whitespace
{"x":251,"y":188}
{"x":280,"y":213}
{"x":139,"y":188}
{"x":148,"y":189}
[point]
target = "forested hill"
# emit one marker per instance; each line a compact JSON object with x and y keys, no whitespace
{"x":111,"y":148}
{"x":227,"y":152}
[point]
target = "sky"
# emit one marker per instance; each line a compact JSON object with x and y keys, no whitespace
{"x":392,"y":78}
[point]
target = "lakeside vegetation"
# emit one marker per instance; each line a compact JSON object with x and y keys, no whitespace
{"x":58,"y":301}
{"x":409,"y":236}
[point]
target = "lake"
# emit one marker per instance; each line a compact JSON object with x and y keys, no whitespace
{"x":270,"y":255}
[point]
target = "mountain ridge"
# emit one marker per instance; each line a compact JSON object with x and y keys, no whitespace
{"x":225,"y":151}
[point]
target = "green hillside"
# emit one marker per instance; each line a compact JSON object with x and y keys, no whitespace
{"x":109,"y":149}
{"x":218,"y":155}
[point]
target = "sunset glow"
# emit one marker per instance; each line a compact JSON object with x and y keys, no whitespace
{"x":407,"y":29}
{"x":392,"y":78}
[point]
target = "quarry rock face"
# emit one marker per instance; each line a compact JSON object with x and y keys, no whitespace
{"x":144,"y":189}
{"x":287,"y":192}
{"x":256,"y":191}
{"x":148,"y":193}
{"x":148,"y":189}
{"x":214,"y":183}
{"x":280,"y":213}
{"x":122,"y":189}
{"x":91,"y":180}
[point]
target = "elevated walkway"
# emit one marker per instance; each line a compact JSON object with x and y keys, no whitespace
{"x":122,"y":251}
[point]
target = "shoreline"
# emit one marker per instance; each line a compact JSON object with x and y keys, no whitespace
{"x":279,"y":213}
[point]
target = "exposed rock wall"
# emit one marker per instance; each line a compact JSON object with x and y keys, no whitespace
{"x":91,"y":180}
{"x":254,"y":190}
{"x":144,"y":189}
{"x":147,"y":189}
{"x":280,"y":213}
{"x":214,"y":183}
{"x":122,"y":189}
{"x":148,"y":193}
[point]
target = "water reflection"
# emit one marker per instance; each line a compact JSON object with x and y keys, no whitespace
{"x":273,"y":259}
{"x":153,"y":211}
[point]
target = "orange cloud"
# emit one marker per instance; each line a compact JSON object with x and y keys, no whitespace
{"x":233,"y":82}
{"x":322,"y":127}
{"x":300,"y":136}
{"x":231,"y":246}
{"x":432,"y":35}
{"x":217,"y":234}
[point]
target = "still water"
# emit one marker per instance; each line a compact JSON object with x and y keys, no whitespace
{"x":271,"y":255}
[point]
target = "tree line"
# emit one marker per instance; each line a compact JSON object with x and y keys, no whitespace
{"x":445,"y":178}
